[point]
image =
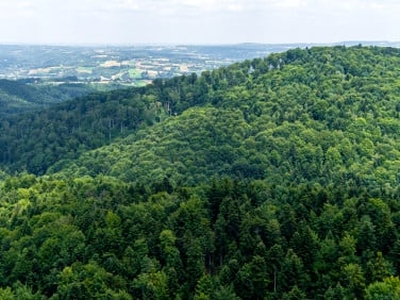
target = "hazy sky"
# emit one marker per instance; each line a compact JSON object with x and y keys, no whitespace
{"x":197,"y":21}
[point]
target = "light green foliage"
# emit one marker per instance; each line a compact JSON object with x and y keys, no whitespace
{"x":389,"y":288}
{"x":7,"y":294}
{"x":353,"y":279}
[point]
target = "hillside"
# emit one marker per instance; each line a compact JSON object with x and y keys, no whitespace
{"x":274,"y":178}
{"x":33,"y":141}
{"x":18,"y":96}
{"x":326,"y":115}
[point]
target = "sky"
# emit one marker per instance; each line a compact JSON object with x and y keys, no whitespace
{"x":133,"y":22}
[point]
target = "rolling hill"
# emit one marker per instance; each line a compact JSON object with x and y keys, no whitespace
{"x":317,"y":115}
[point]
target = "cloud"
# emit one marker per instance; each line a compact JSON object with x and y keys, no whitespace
{"x":121,"y":5}
{"x":198,"y":21}
{"x":289,"y":3}
{"x":214,"y":5}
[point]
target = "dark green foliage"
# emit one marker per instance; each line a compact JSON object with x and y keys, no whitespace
{"x":37,"y":140}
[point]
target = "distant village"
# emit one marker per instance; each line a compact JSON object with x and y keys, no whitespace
{"x":124,"y":65}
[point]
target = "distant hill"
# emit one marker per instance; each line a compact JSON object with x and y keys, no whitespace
{"x":17,"y":96}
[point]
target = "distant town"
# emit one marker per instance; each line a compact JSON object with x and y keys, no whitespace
{"x":125,"y":65}
{"x":128,"y":65}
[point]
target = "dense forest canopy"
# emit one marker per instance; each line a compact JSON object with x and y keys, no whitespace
{"x":275,"y":178}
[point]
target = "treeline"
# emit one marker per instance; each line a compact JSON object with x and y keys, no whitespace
{"x":99,"y":238}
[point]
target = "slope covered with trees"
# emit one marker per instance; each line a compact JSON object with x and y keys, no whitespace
{"x":326,"y":115}
{"x":275,"y":178}
{"x":19,"y":96}
{"x":35,"y":140}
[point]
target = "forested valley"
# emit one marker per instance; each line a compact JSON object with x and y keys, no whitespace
{"x":273,"y":178}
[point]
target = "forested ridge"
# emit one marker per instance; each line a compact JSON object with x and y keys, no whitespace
{"x":326,"y":115}
{"x":276,"y":178}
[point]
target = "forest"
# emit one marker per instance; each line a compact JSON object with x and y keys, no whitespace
{"x":272,"y":178}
